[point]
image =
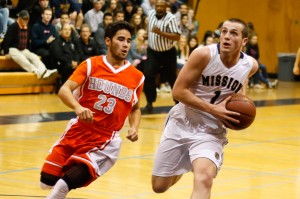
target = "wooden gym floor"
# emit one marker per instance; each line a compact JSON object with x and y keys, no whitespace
{"x":261,"y":162}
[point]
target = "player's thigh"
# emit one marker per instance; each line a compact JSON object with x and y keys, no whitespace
{"x":209,"y":152}
{"x":171,"y":158}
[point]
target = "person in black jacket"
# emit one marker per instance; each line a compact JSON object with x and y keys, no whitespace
{"x":64,"y":51}
{"x":88,"y":46}
{"x":16,"y":44}
{"x":37,"y":11}
{"x":43,"y":34}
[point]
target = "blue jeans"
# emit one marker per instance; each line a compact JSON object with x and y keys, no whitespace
{"x":261,"y":75}
{"x":4,"y":19}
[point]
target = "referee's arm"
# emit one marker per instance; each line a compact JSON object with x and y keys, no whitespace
{"x":168,"y":35}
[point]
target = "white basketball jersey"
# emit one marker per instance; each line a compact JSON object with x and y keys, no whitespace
{"x":217,"y":81}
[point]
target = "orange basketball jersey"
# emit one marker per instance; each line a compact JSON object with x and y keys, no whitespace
{"x":107,"y":91}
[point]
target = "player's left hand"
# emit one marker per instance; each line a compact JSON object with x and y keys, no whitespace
{"x":132,"y":135}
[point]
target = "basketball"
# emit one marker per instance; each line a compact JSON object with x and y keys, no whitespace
{"x":246,"y":107}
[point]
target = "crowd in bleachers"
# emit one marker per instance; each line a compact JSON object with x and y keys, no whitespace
{"x":63,"y":48}
{"x":87,"y":20}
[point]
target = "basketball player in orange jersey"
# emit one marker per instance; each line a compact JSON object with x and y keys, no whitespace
{"x":195,"y":134}
{"x":102,"y":91}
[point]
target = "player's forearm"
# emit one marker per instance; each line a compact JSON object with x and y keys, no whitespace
{"x":134,"y":118}
{"x":67,"y":98}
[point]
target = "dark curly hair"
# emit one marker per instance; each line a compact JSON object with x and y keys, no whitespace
{"x":113,"y":28}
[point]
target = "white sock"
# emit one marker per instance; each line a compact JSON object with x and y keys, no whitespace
{"x":45,"y":187}
{"x":60,"y":190}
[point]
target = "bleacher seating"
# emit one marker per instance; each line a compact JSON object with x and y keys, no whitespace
{"x":14,"y":80}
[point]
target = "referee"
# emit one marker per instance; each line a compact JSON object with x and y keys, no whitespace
{"x":161,"y":53}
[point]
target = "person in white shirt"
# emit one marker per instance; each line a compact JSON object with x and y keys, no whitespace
{"x":94,"y":16}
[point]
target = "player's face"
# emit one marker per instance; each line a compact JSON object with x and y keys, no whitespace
{"x":119,"y":45}
{"x":231,"y":40}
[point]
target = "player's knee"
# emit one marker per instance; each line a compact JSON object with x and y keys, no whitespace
{"x":204,"y":179}
{"x":48,"y":180}
{"x":159,"y":186}
{"x":77,"y":176}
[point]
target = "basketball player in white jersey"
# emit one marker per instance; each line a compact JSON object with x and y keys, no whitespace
{"x":195,"y":132}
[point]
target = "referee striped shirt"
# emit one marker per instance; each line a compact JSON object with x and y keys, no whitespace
{"x":168,"y":23}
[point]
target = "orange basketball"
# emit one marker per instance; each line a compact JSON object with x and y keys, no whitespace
{"x":246,"y":107}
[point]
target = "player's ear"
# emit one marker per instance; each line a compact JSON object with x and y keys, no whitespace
{"x":107,"y":41}
{"x":245,"y":41}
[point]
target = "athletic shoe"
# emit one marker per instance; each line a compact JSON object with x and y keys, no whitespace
{"x":275,"y":83}
{"x":48,"y":73}
{"x":40,"y":74}
{"x":258,"y":86}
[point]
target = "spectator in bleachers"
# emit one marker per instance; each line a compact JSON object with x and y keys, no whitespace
{"x":129,"y":10}
{"x":16,"y":44}
{"x":5,"y":20}
{"x":119,"y":16}
{"x":146,"y":22}
{"x":139,"y":10}
{"x":137,"y":23}
{"x":72,"y":8}
{"x":208,"y":40}
{"x":99,"y":34}
{"x":65,"y":52}
{"x":183,"y":10}
{"x":113,"y":7}
{"x":193,"y":23}
{"x":88,"y":46}
{"x":208,"y":33}
{"x":94,"y":16}
{"x":183,"y":51}
{"x":184,"y":26}
{"x":65,"y":19}
{"x":261,"y":76}
{"x":138,"y":51}
{"x":43,"y":34}
{"x":37,"y":10}
{"x":193,"y":43}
